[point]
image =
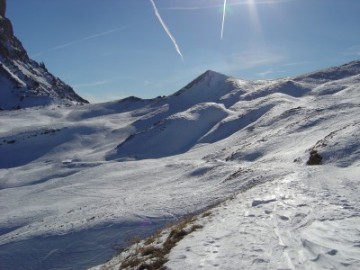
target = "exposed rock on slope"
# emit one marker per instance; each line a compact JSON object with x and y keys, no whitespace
{"x":24,"y":82}
{"x":2,"y":8}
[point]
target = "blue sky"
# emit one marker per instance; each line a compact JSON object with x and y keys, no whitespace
{"x":110,"y":49}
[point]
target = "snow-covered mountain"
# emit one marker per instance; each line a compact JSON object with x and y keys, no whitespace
{"x":78,"y":183}
{"x":24,"y":82}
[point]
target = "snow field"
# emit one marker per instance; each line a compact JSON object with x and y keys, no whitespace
{"x":116,"y":170}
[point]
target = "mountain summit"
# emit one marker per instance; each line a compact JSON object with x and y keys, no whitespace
{"x":24,"y":82}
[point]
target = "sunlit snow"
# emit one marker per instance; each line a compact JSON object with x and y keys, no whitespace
{"x":77,"y":183}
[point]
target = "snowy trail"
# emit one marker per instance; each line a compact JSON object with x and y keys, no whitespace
{"x":289,"y":225}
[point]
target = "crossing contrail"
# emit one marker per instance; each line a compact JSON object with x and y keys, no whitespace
{"x":223,"y":20}
{"x":166,"y":29}
{"x":74,"y":42}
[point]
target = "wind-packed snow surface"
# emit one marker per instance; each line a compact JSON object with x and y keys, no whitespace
{"x":79,"y":183}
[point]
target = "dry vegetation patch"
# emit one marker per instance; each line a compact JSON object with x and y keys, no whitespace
{"x":152,"y":252}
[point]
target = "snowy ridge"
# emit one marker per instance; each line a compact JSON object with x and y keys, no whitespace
{"x":334,"y":73}
{"x":24,"y":82}
{"x":78,"y":181}
{"x":181,"y":132}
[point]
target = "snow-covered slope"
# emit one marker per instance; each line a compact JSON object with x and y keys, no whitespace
{"x":78,"y":183}
{"x":24,"y":82}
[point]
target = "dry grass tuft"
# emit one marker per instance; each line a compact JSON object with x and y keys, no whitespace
{"x":149,"y":256}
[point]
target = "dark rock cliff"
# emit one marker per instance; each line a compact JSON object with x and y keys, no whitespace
{"x":24,"y":82}
{"x":2,"y":7}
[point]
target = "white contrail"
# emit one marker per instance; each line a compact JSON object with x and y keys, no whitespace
{"x":223,"y":20}
{"x":68,"y":44}
{"x":166,"y":29}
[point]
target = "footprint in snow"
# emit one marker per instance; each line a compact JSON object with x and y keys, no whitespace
{"x":259,"y":260}
{"x":332,"y":252}
{"x":257,"y":202}
{"x":284,"y":218}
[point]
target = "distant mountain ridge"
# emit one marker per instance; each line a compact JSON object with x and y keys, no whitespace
{"x":24,"y":82}
{"x":333,"y":73}
{"x":207,"y":103}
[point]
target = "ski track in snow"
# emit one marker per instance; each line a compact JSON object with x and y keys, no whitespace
{"x":77,"y":183}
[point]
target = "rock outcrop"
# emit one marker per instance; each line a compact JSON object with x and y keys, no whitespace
{"x":2,"y":8}
{"x":24,"y":82}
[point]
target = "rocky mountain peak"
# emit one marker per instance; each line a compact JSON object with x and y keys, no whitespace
{"x":207,"y":77}
{"x":23,"y":81}
{"x":10,"y":46}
